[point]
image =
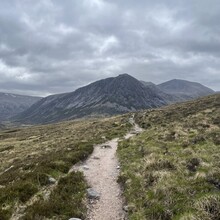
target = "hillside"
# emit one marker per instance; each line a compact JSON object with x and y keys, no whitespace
{"x":185,"y":89}
{"x":109,"y":96}
{"x":12,"y":104}
{"x":171,"y":170}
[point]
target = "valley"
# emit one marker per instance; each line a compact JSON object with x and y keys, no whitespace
{"x":109,"y":110}
{"x":13,"y":104}
{"x":169,"y":169}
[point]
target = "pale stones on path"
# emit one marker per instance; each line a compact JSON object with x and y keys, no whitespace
{"x":92,"y":194}
{"x":106,"y":147}
{"x":75,"y":219}
{"x":85,"y":167}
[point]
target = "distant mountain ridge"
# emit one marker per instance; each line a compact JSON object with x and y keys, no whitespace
{"x":13,"y":104}
{"x":114,"y":95}
{"x":104,"y":97}
{"x":185,"y":89}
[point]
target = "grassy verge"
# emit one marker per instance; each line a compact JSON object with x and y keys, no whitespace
{"x":172,"y":170}
{"x":64,"y":202}
{"x":31,"y":156}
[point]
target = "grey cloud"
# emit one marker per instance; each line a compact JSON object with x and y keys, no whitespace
{"x":56,"y":46}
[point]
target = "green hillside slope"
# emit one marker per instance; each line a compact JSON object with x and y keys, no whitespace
{"x":172,"y":169}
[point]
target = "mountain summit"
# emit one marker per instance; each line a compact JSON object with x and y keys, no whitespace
{"x":109,"y":96}
{"x":114,"y":95}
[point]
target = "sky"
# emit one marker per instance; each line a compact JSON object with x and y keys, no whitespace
{"x":54,"y":46}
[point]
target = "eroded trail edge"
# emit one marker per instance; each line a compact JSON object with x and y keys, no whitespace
{"x":101,"y":172}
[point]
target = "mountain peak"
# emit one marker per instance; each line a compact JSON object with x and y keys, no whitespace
{"x":180,"y":86}
{"x":124,"y":75}
{"x":113,"y":95}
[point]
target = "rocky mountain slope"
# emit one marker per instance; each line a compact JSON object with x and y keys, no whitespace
{"x":185,"y":89}
{"x":106,"y":97}
{"x":12,"y":104}
{"x":110,"y":96}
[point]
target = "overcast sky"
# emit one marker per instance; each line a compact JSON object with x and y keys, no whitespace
{"x":55,"y":46}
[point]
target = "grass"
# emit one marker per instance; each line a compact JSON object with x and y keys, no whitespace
{"x":172,"y":169}
{"x":30,"y":156}
{"x":65,"y":201}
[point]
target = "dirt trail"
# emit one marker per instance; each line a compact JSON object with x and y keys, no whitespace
{"x":101,"y":171}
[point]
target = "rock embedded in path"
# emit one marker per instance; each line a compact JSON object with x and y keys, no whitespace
{"x":106,"y":147}
{"x":85,"y":167}
{"x":92,"y":194}
{"x":75,"y":219}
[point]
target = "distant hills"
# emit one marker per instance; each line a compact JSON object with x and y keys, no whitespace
{"x":110,"y":96}
{"x":12,"y":104}
{"x":187,"y":90}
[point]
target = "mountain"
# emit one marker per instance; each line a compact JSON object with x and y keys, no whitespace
{"x":171,"y":98}
{"x":147,"y":83}
{"x":185,"y":89}
{"x":12,"y":104}
{"x":110,"y":96}
{"x":105,"y":97}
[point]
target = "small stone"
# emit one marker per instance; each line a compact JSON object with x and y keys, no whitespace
{"x":118,"y":167}
{"x":96,"y":158}
{"x":126,"y":208}
{"x":85,"y":167}
{"x":75,"y":219}
{"x":51,"y":180}
{"x":92,"y":194}
{"x":106,"y":146}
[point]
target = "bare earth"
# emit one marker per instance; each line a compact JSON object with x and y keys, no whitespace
{"x":101,"y":171}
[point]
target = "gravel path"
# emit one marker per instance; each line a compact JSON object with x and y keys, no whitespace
{"x":101,"y":171}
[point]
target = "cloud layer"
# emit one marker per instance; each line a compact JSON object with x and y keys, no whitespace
{"x":57,"y":46}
